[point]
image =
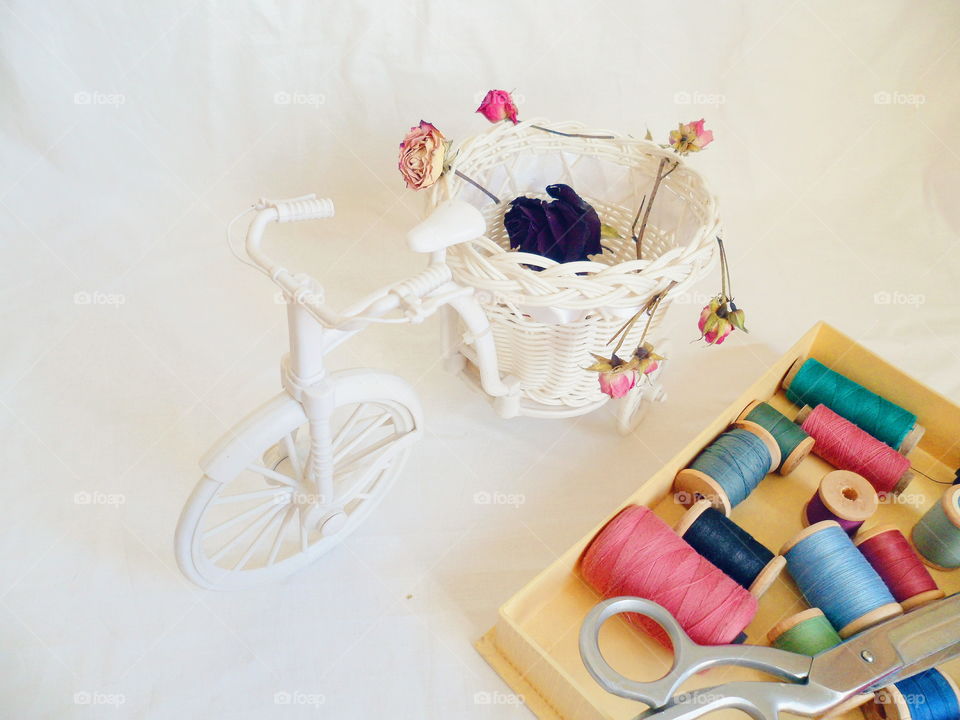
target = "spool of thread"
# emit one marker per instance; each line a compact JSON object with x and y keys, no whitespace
{"x":937,"y":535}
{"x":730,"y":548}
{"x":807,"y":633}
{"x":833,"y":576}
{"x":847,"y":447}
{"x":793,"y":442}
{"x":896,"y":562}
{"x":844,"y":497}
{"x":729,"y":468}
{"x":813,"y":383}
{"x":929,"y":695}
{"x":637,"y":554}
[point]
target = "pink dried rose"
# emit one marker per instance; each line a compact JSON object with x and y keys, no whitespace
{"x":616,"y":375}
{"x":690,"y":137}
{"x":718,"y":319}
{"x":647,"y":360}
{"x":421,"y":156}
{"x":497,"y":106}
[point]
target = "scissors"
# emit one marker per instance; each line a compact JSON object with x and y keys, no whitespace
{"x":874,"y":658}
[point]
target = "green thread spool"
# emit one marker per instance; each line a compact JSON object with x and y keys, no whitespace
{"x":937,"y":535}
{"x":794,"y":443}
{"x":813,"y":383}
{"x":806,"y":633}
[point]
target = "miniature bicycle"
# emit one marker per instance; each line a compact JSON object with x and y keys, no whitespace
{"x":297,"y":475}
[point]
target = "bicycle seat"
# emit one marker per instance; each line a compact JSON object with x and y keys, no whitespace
{"x":453,"y":222}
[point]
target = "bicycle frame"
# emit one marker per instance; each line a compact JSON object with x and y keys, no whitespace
{"x":315,"y":330}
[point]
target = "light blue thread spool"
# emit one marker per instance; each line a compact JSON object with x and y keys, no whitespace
{"x":730,"y":468}
{"x":835,"y":577}
{"x":937,"y":534}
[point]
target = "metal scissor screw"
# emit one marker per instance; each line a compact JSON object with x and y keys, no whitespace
{"x":868,"y":656}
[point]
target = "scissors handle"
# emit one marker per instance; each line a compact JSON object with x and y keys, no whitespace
{"x":689,"y":658}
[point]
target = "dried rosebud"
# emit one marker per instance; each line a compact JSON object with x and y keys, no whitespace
{"x":714,"y":324}
{"x":690,"y":137}
{"x":565,"y":229}
{"x":616,"y":375}
{"x":737,"y":318}
{"x":497,"y":105}
{"x":647,"y":360}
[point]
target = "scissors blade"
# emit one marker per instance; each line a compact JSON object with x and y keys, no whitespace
{"x":893,"y":650}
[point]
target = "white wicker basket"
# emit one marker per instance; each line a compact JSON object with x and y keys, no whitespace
{"x":547,"y":323}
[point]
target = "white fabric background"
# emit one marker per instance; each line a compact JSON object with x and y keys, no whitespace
{"x":828,"y":197}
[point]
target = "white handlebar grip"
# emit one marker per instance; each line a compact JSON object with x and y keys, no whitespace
{"x":308,"y":207}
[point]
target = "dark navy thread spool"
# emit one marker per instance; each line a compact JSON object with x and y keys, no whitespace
{"x":730,"y":548}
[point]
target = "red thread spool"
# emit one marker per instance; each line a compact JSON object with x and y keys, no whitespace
{"x":894,"y":559}
{"x":637,"y":554}
{"x":847,"y":447}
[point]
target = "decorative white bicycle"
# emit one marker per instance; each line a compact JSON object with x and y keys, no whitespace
{"x":301,"y":472}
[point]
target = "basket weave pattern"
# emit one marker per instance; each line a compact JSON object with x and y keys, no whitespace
{"x":547,"y":323}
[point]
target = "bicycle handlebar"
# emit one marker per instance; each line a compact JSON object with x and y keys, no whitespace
{"x":305,"y":207}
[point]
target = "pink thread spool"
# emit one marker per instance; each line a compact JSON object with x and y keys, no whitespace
{"x":637,"y":554}
{"x":844,"y":497}
{"x":847,"y":447}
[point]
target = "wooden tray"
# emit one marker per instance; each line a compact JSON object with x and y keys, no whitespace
{"x":533,"y":646}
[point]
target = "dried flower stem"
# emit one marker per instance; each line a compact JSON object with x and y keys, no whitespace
{"x":478,"y":186}
{"x":661,"y":176}
{"x":724,"y":271}
{"x":573,"y":135}
{"x":650,"y":307}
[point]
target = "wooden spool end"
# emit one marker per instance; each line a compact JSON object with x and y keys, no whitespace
{"x":792,"y":373}
{"x":747,"y":410}
{"x":874,"y":617}
{"x":807,"y":532}
{"x":798,"y":455}
{"x":921,"y":599}
{"x":903,"y":482}
{"x":791,"y":622}
{"x":888,"y":704}
{"x":803,"y":414}
{"x":691,"y":515}
{"x":848,"y":496}
{"x":850,"y":704}
{"x":692,"y":485}
{"x":912,"y":439}
{"x":768,"y":440}
{"x":768,"y":576}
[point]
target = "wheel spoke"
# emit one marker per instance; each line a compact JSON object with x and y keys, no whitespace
{"x":289,"y":443}
{"x":347,"y":426}
{"x":360,"y":437}
{"x":304,"y":533}
{"x":270,"y":511}
{"x":255,"y":495}
{"x":227,"y":524}
{"x":273,"y":475}
{"x":278,"y":540}
{"x":261,"y":536}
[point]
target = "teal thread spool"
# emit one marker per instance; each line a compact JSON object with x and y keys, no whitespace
{"x":813,"y":383}
{"x":728,"y":469}
{"x":937,"y":535}
{"x":808,"y":633}
{"x":793,"y":442}
{"x":835,"y":577}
